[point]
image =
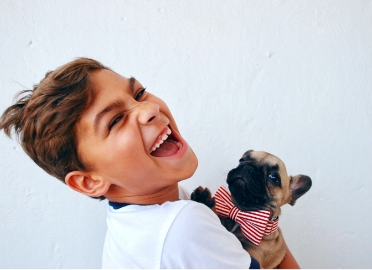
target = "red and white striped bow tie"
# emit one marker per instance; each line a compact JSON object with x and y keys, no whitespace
{"x":254,"y":224}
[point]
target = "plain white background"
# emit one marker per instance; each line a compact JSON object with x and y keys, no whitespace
{"x":289,"y":77}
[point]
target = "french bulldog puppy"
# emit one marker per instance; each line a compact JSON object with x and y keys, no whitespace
{"x":259,"y":185}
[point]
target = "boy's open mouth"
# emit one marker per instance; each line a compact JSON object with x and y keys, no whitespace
{"x":166,"y":146}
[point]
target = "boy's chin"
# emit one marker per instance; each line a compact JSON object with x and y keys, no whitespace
{"x":191,"y":165}
{"x":185,"y":167}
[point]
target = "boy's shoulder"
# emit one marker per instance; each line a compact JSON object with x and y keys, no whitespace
{"x":197,"y":225}
{"x":179,"y":215}
{"x":165,"y":229}
{"x":136,"y":232}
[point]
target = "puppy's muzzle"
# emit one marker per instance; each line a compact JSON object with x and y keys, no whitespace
{"x":248,"y":187}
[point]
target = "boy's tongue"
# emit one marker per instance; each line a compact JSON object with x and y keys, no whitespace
{"x":166,"y":149}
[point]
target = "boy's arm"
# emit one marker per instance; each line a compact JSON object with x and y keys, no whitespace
{"x":289,"y":262}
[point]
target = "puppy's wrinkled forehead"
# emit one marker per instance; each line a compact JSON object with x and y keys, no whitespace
{"x":262,"y":157}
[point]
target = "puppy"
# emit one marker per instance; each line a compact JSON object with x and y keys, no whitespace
{"x":260,"y":185}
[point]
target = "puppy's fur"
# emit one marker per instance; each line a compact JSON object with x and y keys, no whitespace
{"x":260,"y":182}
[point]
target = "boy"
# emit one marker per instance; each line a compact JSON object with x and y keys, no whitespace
{"x":105,"y":136}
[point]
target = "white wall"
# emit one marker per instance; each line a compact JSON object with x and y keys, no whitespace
{"x":289,"y":77}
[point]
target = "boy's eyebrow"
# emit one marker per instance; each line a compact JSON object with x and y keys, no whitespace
{"x":132,"y":81}
{"x":112,"y":106}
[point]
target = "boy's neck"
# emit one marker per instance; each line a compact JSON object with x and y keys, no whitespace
{"x":170,"y":193}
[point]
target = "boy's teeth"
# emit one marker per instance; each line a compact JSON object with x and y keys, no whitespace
{"x":179,"y":145}
{"x":163,"y":138}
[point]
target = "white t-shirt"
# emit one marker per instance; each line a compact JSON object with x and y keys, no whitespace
{"x":181,"y":234}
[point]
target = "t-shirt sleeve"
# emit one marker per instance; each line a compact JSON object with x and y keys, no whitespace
{"x":197,"y":239}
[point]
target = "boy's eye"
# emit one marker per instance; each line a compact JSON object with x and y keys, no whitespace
{"x":114,"y":122}
{"x":139,"y":94}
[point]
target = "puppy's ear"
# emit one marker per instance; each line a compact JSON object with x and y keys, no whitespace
{"x":246,"y":155}
{"x":299,"y":185}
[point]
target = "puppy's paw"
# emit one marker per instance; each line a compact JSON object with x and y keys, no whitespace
{"x":204,"y":196}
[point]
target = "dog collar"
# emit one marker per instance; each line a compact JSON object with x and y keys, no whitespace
{"x":254,"y":224}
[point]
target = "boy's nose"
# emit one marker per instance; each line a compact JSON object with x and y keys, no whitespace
{"x":147,"y":112}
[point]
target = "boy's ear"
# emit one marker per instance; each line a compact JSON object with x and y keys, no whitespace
{"x":87,"y":184}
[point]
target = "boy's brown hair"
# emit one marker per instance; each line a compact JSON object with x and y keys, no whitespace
{"x":45,"y":118}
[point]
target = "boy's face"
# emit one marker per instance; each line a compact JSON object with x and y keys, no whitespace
{"x":117,"y":135}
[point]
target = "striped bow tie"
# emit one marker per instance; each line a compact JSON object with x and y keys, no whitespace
{"x":254,"y":224}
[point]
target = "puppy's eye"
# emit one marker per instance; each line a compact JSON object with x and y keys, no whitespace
{"x":139,"y":94}
{"x":275,"y":178}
